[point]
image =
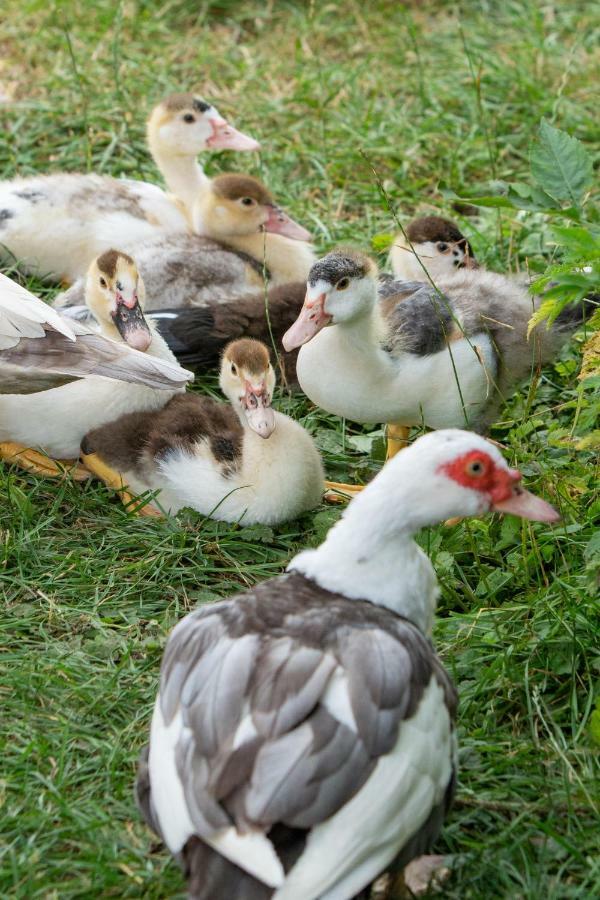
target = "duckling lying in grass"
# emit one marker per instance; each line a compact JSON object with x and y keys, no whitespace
{"x":55,"y":224}
{"x":242,"y":461}
{"x":245,"y":237}
{"x":432,"y":248}
{"x":56,"y":420}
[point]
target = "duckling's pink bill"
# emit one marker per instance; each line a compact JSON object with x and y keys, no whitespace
{"x":261,"y":420}
{"x":527,"y":506}
{"x":278,"y":222}
{"x":131,"y":325}
{"x":226,"y":137}
{"x":311,"y":320}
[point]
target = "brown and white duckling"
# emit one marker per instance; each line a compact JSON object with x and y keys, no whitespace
{"x":438,"y":246}
{"x":242,"y":461}
{"x":40,"y":350}
{"x":55,"y":224}
{"x":246,"y":238}
{"x":303,"y":738}
{"x":56,"y":420}
{"x":413,"y":355}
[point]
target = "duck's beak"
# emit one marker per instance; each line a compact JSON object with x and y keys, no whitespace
{"x":257,"y":406}
{"x":519,"y":502}
{"x":311,"y":320}
{"x":278,"y":222}
{"x":226,"y":137}
{"x":130,"y":322}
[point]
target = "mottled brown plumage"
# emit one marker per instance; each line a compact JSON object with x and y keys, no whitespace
{"x":138,"y":439}
{"x":198,"y":335}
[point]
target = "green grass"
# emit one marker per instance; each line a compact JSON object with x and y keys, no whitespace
{"x":430,"y":95}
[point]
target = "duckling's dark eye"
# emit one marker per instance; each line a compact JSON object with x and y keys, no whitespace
{"x":342,"y":284}
{"x":233,"y":369}
{"x":247,"y":201}
{"x":442,"y":247}
{"x":476,"y":468}
{"x":189,"y":118}
{"x":102,"y":282}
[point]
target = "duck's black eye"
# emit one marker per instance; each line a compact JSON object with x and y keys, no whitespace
{"x":442,"y":247}
{"x":102,"y":282}
{"x":188,"y":117}
{"x":342,"y":284}
{"x":476,"y":468}
{"x":233,"y":369}
{"x":247,"y":201}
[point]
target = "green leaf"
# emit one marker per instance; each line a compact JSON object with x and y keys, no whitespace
{"x":382,"y":242}
{"x":577,"y":240}
{"x":560,"y":164}
{"x":595,"y":724}
{"x":544,"y":310}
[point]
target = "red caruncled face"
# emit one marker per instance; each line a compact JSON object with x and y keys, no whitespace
{"x":477,"y":470}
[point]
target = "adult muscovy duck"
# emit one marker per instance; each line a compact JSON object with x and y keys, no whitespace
{"x":303,"y":737}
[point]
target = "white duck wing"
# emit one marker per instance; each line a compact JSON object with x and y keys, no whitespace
{"x":22,"y":314}
{"x":40,"y":350}
{"x":255,"y":729}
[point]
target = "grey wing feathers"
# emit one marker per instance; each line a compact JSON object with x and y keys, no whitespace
{"x":57,"y":357}
{"x":418,"y":317}
{"x":262,"y":743}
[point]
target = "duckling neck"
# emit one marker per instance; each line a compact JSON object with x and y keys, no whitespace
{"x":285,"y":259}
{"x":345,"y":370}
{"x":183,"y":174}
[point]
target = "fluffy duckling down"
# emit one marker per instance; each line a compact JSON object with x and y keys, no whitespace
{"x":241,"y":461}
{"x":408,"y":354}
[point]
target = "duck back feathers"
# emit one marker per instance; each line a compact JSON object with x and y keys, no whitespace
{"x":138,"y":440}
{"x":198,"y":335}
{"x":423,"y":320}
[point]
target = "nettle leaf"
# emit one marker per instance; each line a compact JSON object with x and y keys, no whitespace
{"x":560,"y":164}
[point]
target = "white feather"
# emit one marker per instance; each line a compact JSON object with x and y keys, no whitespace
{"x":19,"y":309}
{"x":252,"y":850}
{"x":336,"y":699}
{"x":57,"y":420}
{"x":348,"y":374}
{"x":346,"y":852}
